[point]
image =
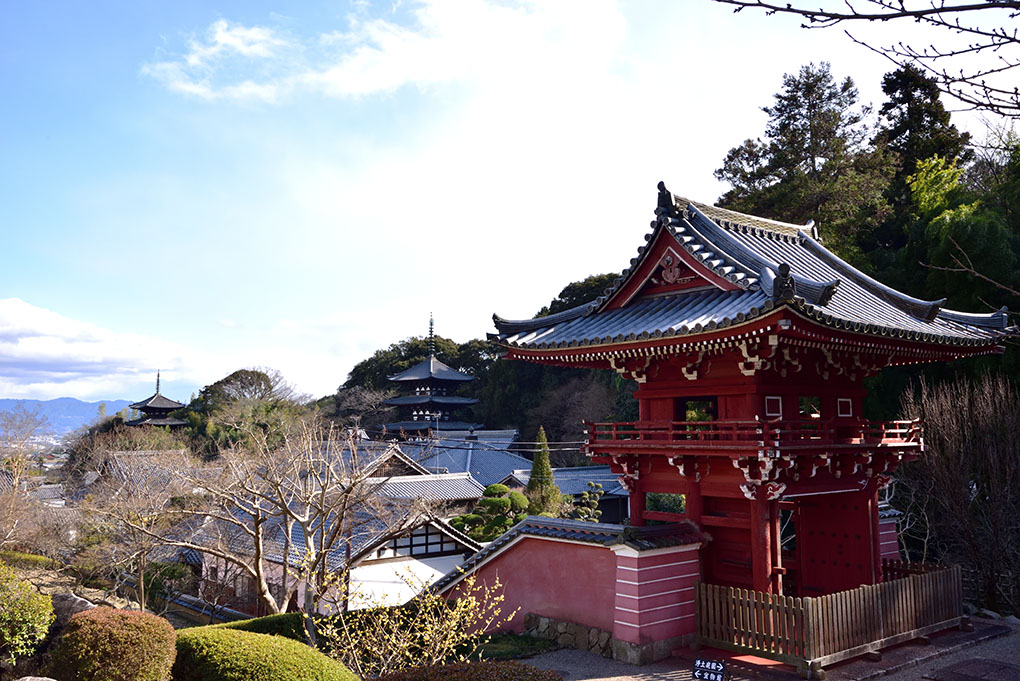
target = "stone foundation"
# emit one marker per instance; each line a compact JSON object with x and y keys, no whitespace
{"x":599,"y":641}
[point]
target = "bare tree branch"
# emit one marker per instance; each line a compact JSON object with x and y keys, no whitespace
{"x":987,"y":24}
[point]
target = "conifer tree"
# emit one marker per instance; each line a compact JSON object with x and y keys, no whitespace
{"x":543,"y":493}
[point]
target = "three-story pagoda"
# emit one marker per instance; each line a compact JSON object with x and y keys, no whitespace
{"x":430,"y":401}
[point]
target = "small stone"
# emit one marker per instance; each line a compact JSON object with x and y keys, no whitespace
{"x":543,"y":624}
{"x":1012,"y":619}
{"x":561,"y":627}
{"x":990,"y":614}
{"x":566,"y":640}
{"x":970,"y":608}
{"x":603,"y":639}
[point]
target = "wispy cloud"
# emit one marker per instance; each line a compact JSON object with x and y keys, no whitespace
{"x":443,"y":42}
{"x":226,"y":49}
{"x":44,"y":354}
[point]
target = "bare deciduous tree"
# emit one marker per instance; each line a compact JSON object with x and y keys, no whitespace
{"x":18,"y":428}
{"x":973,"y":61}
{"x":282,"y":505}
{"x":964,"y":491}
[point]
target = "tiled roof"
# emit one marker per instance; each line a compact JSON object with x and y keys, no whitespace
{"x":423,"y":424}
{"x":157,"y":401}
{"x":574,"y":481}
{"x":748,"y":253}
{"x":488,"y":462}
{"x":442,"y":400}
{"x":602,"y":534}
{"x":431,"y":368}
{"x":156,"y":421}
{"x":437,"y":487}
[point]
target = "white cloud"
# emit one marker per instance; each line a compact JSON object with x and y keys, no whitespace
{"x":467,"y":40}
{"x":44,"y":354}
{"x":225,"y":47}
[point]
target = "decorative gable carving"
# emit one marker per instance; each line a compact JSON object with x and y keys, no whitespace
{"x":665,"y":267}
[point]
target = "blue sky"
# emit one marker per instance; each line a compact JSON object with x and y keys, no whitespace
{"x":199,"y":187}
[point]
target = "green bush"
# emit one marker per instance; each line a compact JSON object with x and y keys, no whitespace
{"x":214,"y":654}
{"x":26,"y":560}
{"x":106,"y":644}
{"x":486,"y":670}
{"x":289,"y":625}
{"x":25,"y":615}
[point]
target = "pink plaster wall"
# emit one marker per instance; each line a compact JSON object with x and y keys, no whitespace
{"x":562,"y":580}
{"x":655,"y":595}
{"x":889,"y":545}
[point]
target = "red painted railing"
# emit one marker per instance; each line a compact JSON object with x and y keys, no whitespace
{"x":745,"y":438}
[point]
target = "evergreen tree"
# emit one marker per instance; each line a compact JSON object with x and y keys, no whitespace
{"x":814,"y":162}
{"x":497,"y":511}
{"x":915,"y":126}
{"x":544,"y":496}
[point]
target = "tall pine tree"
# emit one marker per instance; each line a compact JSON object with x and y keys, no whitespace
{"x":814,"y":162}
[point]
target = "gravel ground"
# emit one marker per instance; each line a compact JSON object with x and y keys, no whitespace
{"x":576,"y":665}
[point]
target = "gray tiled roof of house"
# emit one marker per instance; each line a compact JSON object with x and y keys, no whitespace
{"x":574,"y":481}
{"x":488,"y":462}
{"x":602,"y":534}
{"x":747,"y":251}
{"x":434,"y":487}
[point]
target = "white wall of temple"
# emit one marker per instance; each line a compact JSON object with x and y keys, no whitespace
{"x":396,"y":582}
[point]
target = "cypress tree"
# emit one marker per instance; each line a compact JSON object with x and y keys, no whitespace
{"x":541,"y":470}
{"x":543,"y":493}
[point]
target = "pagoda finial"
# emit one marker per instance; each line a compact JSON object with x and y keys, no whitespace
{"x":157,"y":381}
{"x":432,"y":337}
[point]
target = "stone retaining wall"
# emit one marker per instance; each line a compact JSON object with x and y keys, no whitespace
{"x":569,"y":634}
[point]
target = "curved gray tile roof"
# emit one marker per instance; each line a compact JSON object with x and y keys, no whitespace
{"x":747,"y":252}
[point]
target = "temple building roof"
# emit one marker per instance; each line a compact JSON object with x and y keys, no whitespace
{"x":706,"y":268}
{"x":157,"y":401}
{"x":431,"y":368}
{"x":441,"y":400}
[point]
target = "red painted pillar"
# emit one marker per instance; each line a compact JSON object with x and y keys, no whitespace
{"x":761,"y":546}
{"x":637,"y":505}
{"x":776,"y":543}
{"x":693,"y":503}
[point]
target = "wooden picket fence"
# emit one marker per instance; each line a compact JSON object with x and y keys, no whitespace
{"x":812,"y":632}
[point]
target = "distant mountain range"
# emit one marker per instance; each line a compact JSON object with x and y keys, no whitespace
{"x":66,"y":414}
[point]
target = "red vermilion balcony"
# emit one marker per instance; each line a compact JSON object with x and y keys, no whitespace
{"x":736,"y":439}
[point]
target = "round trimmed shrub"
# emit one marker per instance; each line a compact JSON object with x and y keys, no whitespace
{"x":106,"y":644}
{"x":212,"y":654}
{"x":25,"y":615}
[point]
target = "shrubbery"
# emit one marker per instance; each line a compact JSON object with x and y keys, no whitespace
{"x":26,"y":560}
{"x":287,"y":624}
{"x":223,"y":654}
{"x":25,"y":615}
{"x":106,"y":644}
{"x":486,"y":670}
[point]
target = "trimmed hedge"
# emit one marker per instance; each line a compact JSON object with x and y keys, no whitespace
{"x":106,"y":644}
{"x":223,"y":654}
{"x":288,"y":624}
{"x":486,"y":670}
